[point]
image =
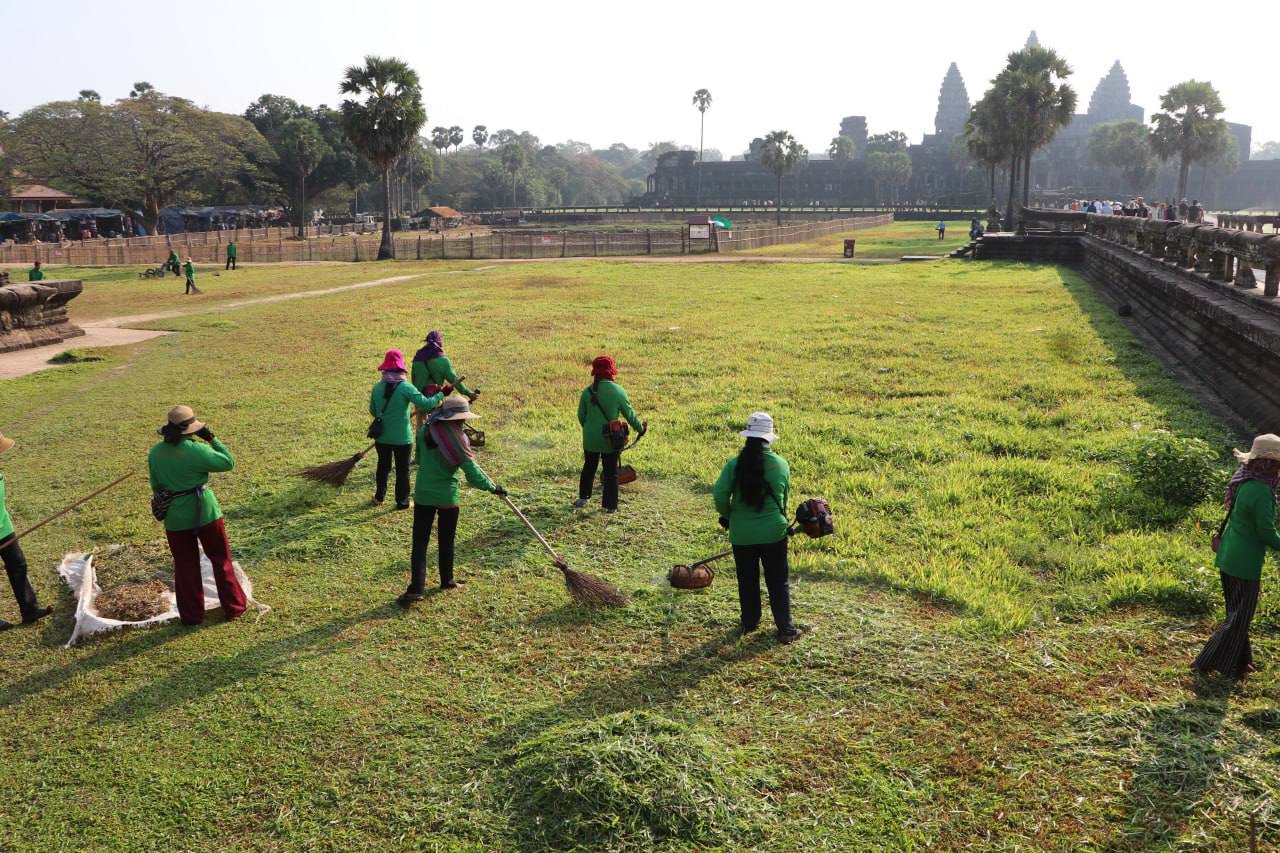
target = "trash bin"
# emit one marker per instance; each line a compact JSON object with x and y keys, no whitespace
{"x":848,"y":248}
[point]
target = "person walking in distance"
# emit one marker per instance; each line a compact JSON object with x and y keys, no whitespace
{"x":232,"y":251}
{"x":15,"y":562}
{"x":1248,"y":530}
{"x":751,"y":497}
{"x":389,"y":402}
{"x":179,"y":467}
{"x":443,"y":448}
{"x":605,"y":412}
{"x":942,"y":229}
{"x":190,"y":270}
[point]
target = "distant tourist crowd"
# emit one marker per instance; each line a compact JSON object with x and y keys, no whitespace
{"x":1170,"y":211}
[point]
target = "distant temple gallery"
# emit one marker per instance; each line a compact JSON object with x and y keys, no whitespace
{"x":942,"y":173}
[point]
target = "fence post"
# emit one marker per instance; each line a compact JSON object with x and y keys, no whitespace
{"x":564,"y":242}
{"x":472,"y":253}
{"x":502,"y":244}
{"x":419,"y":247}
{"x":648,"y":234}
{"x":530,"y":246}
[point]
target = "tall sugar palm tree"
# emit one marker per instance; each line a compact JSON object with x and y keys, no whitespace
{"x":457,"y":136}
{"x":382,"y":121}
{"x":781,"y":154}
{"x":1188,"y":127}
{"x":701,"y":100}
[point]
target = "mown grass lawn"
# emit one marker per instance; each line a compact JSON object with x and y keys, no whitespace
{"x":999,"y":645}
{"x":882,"y":241}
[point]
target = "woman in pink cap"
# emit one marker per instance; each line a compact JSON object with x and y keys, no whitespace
{"x":389,"y":403}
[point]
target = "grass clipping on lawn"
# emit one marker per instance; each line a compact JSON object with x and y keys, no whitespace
{"x":132,"y":602}
{"x":630,"y":780}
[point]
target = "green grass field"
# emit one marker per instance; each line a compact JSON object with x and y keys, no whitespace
{"x":999,"y":646}
{"x":883,"y":241}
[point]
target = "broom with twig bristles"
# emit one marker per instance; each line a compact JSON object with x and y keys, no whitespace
{"x":335,"y":473}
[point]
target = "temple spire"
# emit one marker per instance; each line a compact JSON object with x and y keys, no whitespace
{"x":953,"y":104}
{"x":1032,"y":40}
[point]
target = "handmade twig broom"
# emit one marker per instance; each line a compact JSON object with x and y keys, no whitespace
{"x":335,"y":473}
{"x":585,"y":589}
{"x":83,"y":500}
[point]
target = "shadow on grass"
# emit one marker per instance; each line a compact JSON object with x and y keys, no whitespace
{"x":210,"y":674}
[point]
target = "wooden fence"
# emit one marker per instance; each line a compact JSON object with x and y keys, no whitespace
{"x":754,"y":238}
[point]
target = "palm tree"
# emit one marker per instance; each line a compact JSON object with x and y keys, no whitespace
{"x":457,"y":136}
{"x":440,"y":139}
{"x":780,"y":155}
{"x":841,"y":149}
{"x":302,"y":148}
{"x":987,"y":137}
{"x":513,"y":161}
{"x":1189,"y":127}
{"x":384,"y":122}
{"x":1036,"y":102}
{"x":480,"y":136}
{"x":701,"y":100}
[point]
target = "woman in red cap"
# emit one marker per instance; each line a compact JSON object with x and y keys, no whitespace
{"x":389,"y":402}
{"x":601,"y":407}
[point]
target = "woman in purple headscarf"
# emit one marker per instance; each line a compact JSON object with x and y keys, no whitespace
{"x":432,"y":367}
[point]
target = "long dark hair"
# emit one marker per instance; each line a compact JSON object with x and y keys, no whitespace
{"x":173,"y":433}
{"x":748,"y":476}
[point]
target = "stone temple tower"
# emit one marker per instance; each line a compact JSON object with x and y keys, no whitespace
{"x":1110,"y":101}
{"x":1032,"y":40}
{"x":953,"y":105}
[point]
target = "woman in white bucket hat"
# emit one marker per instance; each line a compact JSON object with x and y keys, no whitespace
{"x":1248,"y":530}
{"x":751,"y":497}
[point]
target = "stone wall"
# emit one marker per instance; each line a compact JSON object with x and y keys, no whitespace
{"x":35,"y":314}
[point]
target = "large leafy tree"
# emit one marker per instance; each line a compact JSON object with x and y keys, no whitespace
{"x":513,"y":159}
{"x":383,"y":121}
{"x":701,"y":100}
{"x":1188,"y":127}
{"x":480,"y":135}
{"x":891,"y":170}
{"x":301,"y":149}
{"x":1037,"y":102}
{"x":988,"y":137}
{"x":1126,"y":147}
{"x":887,"y":143}
{"x":148,"y":151}
{"x":842,"y":149}
{"x":781,"y":154}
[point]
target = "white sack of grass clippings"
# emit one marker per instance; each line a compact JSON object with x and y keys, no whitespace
{"x":78,"y":573}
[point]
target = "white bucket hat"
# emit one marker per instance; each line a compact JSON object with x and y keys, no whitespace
{"x":1264,"y":447}
{"x":454,"y":408}
{"x":760,"y":425}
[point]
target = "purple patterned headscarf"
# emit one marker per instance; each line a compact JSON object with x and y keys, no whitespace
{"x":434,"y":347}
{"x":1242,"y":475}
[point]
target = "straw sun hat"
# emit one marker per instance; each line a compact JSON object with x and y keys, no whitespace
{"x":454,"y":408}
{"x":760,"y":425}
{"x":1264,"y":447}
{"x":185,"y":417}
{"x":5,"y":443}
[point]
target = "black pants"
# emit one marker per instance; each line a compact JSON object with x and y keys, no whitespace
{"x":386,"y":453}
{"x":191,"y":285}
{"x":177,"y":268}
{"x":588,"y":478}
{"x":231,"y":262}
{"x":448,"y":530}
{"x":15,"y":565}
{"x":747,"y":560}
{"x":1228,"y":649}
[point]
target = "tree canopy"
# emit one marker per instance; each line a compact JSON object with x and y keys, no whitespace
{"x":1188,"y":127}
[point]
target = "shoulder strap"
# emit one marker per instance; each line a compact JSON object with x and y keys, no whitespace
{"x":1226,"y":518}
{"x":776,"y":502}
{"x":596,"y":399}
{"x":386,"y":399}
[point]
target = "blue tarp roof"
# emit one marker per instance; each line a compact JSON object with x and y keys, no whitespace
{"x":24,"y":217}
{"x":84,"y":212}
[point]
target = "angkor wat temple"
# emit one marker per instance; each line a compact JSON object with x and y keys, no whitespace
{"x":942,"y":175}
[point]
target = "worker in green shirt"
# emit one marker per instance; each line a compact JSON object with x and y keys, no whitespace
{"x":15,"y":563}
{"x":601,"y":406}
{"x":190,"y":270}
{"x":180,"y":467}
{"x":35,"y":273}
{"x":173,"y":263}
{"x":751,"y":497}
{"x":1248,"y":530}
{"x":432,"y":367}
{"x":231,"y":256}
{"x":389,"y":402}
{"x":443,"y":449}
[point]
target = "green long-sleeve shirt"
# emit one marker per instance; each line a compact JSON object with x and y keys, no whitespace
{"x":6,"y":523}
{"x":1250,"y":531}
{"x":748,"y":525}
{"x":190,"y":270}
{"x":613,"y":405}
{"x":438,"y":370}
{"x":34,"y":274}
{"x":185,"y":465}
{"x":231,"y":250}
{"x":395,"y":410}
{"x":437,"y":483}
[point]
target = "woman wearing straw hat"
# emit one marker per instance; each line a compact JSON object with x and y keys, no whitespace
{"x":751,"y":497}
{"x":180,"y":467}
{"x":602,"y":402}
{"x":443,"y":448}
{"x":190,"y":270}
{"x":15,"y":563}
{"x":432,"y":367}
{"x":1249,"y":529}
{"x":389,"y":402}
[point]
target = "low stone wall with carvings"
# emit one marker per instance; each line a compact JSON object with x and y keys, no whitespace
{"x":35,"y":314}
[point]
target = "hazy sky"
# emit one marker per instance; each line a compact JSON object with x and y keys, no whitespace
{"x":604,"y":72}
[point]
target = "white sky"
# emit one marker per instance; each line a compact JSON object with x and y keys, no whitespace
{"x":603,"y":72}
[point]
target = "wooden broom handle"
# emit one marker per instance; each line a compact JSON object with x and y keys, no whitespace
{"x":534,"y":531}
{"x":85,"y":499}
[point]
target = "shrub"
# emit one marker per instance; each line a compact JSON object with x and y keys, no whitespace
{"x":628,"y":780}
{"x":1171,"y":468}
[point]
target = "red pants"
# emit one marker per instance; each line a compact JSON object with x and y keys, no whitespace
{"x":188,"y":586}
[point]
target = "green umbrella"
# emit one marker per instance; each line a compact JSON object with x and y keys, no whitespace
{"x":722,"y":222}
